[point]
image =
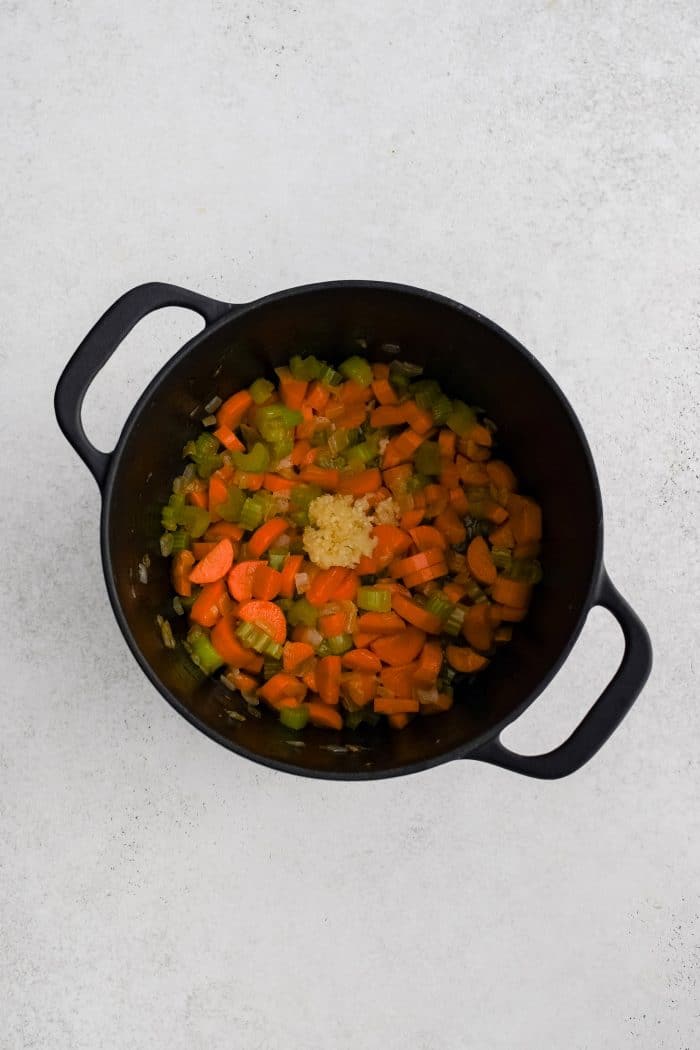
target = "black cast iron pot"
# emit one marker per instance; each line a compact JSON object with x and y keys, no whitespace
{"x":472,"y":358}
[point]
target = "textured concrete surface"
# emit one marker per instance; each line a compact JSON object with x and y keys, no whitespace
{"x":538,"y":161}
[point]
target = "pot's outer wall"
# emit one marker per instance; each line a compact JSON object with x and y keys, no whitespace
{"x":473,"y":360}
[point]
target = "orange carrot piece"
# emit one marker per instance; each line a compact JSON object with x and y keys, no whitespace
{"x":359,"y":687}
{"x":228,"y":439}
{"x":265,"y":536}
{"x":411,"y":518}
{"x":361,"y":639}
{"x":389,"y":414}
{"x":450,"y":525}
{"x":266,"y":582}
{"x":471,"y":473}
{"x":295,"y":654}
{"x":328,"y":679}
{"x":399,"y":680}
{"x":362,"y":660}
{"x":480,"y":434}
{"x":502,"y":536}
{"x":332,"y":624}
{"x":447,"y":443}
{"x":222,"y":529}
{"x":240,"y":579}
{"x":232,"y":411}
{"x":360,"y":484}
{"x":416,"y":562}
{"x":276,"y":483}
{"x":478,"y":626}
{"x":427,"y":537}
{"x":412,"y":613}
{"x":461,"y":658}
{"x":479,"y":561}
{"x":180,"y":572}
{"x":282,"y":685}
{"x":325,"y":477}
{"x":386,"y":623}
{"x":266,"y":615}
{"x":477,"y":453}
{"x":399,"y":648}
{"x":384,"y":392}
{"x":398,"y":721}
{"x":510,"y":614}
{"x":197,"y":497}
{"x":459,"y":501}
{"x":317,"y":396}
{"x":200,"y":548}
{"x":215,"y":565}
{"x":291,"y":567}
{"x":401,"y":448}
{"x":352,"y":393}
{"x":501,"y":475}
{"x":395,"y":705}
{"x":230,"y":649}
{"x":205,"y":611}
{"x":320,"y":714}
{"x":336,"y":584}
{"x":511,"y":592}
{"x":292,"y":391}
{"x":429,"y":664}
{"x":417,"y":418}
{"x":454,"y":590}
{"x":432,"y":572}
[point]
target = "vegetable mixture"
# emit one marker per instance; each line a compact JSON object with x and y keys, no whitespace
{"x":344,"y":545}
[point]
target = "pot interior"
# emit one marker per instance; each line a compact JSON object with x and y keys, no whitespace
{"x":537,"y":435}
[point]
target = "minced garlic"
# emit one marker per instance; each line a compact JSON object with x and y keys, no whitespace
{"x":386,"y":512}
{"x":338,"y":532}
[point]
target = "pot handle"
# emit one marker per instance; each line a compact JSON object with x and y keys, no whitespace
{"x":607,"y":712}
{"x":98,"y":346}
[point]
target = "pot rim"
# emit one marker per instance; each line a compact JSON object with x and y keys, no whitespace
{"x":241,"y":310}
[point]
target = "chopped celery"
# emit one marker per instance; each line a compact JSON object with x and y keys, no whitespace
{"x":427,"y":458}
{"x":340,"y":440}
{"x":374,"y":599}
{"x":320,"y":436}
{"x":527,"y":570}
{"x":358,"y":369}
{"x":276,"y":559}
{"x":231,"y":508}
{"x":355,"y":718}
{"x":339,"y":644}
{"x":201,"y":651}
{"x":329,"y":376}
{"x":172,"y":511}
{"x":461,"y":419}
{"x":441,"y":409}
{"x":439,"y":605}
{"x":196,"y":520}
{"x":273,"y":421}
{"x":294,"y":717}
{"x":300,"y":499}
{"x":283,"y":447}
{"x":254,"y":462}
{"x":205,"y":454}
{"x":305,"y":367}
{"x":181,"y":540}
{"x":271,"y":667}
{"x":455,"y":621}
{"x":254,"y":637}
{"x":252,"y":514}
{"x":502,"y":557}
{"x":261,"y":390}
{"x":416,"y":482}
{"x":302,"y":612}
{"x":407,"y":368}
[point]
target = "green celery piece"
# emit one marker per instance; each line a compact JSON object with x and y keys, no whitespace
{"x":276,"y":560}
{"x":294,"y":717}
{"x":358,"y":369}
{"x":339,"y":644}
{"x":272,"y":419}
{"x":302,"y":612}
{"x":254,"y":462}
{"x":427,"y":458}
{"x":261,"y":390}
{"x":305,"y":367}
{"x":251,"y":515}
{"x":231,"y":509}
{"x":202,"y":652}
{"x":374,"y":599}
{"x":461,"y":419}
{"x":196,"y":520}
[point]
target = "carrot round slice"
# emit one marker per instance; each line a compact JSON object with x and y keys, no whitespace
{"x":399,"y":648}
{"x":362,"y":660}
{"x":479,"y":561}
{"x":268,"y":616}
{"x":511,"y":592}
{"x":181,"y":567}
{"x":229,"y":648}
{"x":241,"y":578}
{"x":205,"y":610}
{"x":478,"y":626}
{"x":411,"y":612}
{"x":465,"y":659}
{"x":427,"y":537}
{"x":215,"y":564}
{"x":395,"y":705}
{"x":328,"y":679}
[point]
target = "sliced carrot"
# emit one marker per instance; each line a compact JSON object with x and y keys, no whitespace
{"x":450,"y":525}
{"x":502,"y":536}
{"x":320,"y":714}
{"x":205,"y":610}
{"x":299,"y":452}
{"x":389,"y":414}
{"x":417,"y":418}
{"x":477,"y":453}
{"x":511,"y":614}
{"x":328,"y":679}
{"x":325,"y":477}
{"x":442,"y":702}
{"x":395,"y":478}
{"x":454,"y":590}
{"x":276,"y":483}
{"x":391,"y":541}
{"x":459,"y":501}
{"x":480,"y":434}
{"x":240,"y":579}
{"x":412,"y":613}
{"x":317,"y":396}
{"x":449,"y":474}
{"x":399,"y":648}
{"x":395,"y":705}
{"x":222,"y":529}
{"x":266,"y":535}
{"x":384,"y":392}
{"x":436,"y":499}
{"x":471,"y":473}
{"x":245,"y":683}
{"x":228,"y":439}
{"x":526,"y":518}
{"x":422,"y":576}
{"x":352,"y":393}
{"x":266,"y":582}
{"x":360,"y":484}
{"x":447,"y":443}
{"x":398,"y":721}
{"x":399,"y":680}
{"x":429,"y":664}
{"x":461,"y":658}
{"x":511,"y":592}
{"x":416,"y":562}
{"x":291,"y":567}
{"x":200,"y":548}
{"x":380,"y":369}
{"x":333,"y":624}
{"x":230,"y":649}
{"x":361,"y":639}
{"x":266,"y":615}
{"x":411,"y":518}
{"x":359,"y":687}
{"x":362,"y":660}
{"x":251,"y":482}
{"x":232,"y":411}
{"x":501,"y":475}
{"x":197,"y":497}
{"x":295,"y":654}
{"x":282,"y":685}
{"x":478,"y":626}
{"x":387,"y":623}
{"x":180,"y":572}
{"x":334,"y":584}
{"x":479,"y":561}
{"x":401,"y":448}
{"x":215,"y":565}
{"x":367,"y":566}
{"x":292,"y":391}
{"x":427,"y":537}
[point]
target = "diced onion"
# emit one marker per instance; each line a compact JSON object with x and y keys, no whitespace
{"x":301,"y":582}
{"x":427,"y":696}
{"x":211,"y":406}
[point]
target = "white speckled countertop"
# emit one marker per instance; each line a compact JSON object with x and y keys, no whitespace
{"x":538,"y":161}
